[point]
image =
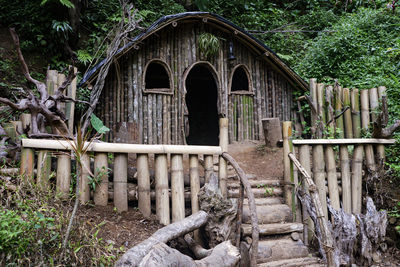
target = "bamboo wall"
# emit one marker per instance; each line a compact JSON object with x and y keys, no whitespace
{"x":160,"y":117}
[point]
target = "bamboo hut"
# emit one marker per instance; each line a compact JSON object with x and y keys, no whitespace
{"x":173,"y":91}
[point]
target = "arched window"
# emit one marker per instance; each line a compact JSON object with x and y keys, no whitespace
{"x":240,"y":80}
{"x":157,"y":78}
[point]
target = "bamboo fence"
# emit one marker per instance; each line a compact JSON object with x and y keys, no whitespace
{"x":169,"y":193}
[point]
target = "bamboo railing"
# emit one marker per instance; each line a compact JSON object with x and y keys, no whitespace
{"x":336,"y":166}
{"x":168,"y":161}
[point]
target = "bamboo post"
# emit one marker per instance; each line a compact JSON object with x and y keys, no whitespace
{"x":313,"y":94}
{"x":356,"y":181}
{"x":162,"y":198}
{"x":355,"y":112}
{"x":373,"y":102}
{"x":101,"y":172}
{"x":338,"y":110}
{"x":329,"y":110}
{"x":346,"y":180}
{"x":364,"y":110}
{"x":70,"y":106}
{"x":194,"y":188}
{"x":332,"y":178}
{"x":304,"y":157}
{"x":43,"y":168}
{"x":287,"y":133}
{"x":177,"y":188}
{"x":63,"y":176}
{"x":319,"y":175}
{"x":120,"y":181}
{"x":380,"y":149}
{"x":348,"y":126}
{"x":223,"y":143}
{"x":144,"y":184}
{"x":209,"y":167}
{"x":321,"y":110}
{"x":84,"y":183}
{"x":27,"y":154}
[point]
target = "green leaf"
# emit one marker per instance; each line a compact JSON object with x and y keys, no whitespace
{"x":98,"y":125}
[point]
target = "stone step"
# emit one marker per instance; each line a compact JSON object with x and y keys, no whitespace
{"x":258,"y":183}
{"x":274,"y":228}
{"x":278,"y":213}
{"x":298,"y":262}
{"x":258,"y":192}
{"x":265,"y":201}
{"x":280,"y":249}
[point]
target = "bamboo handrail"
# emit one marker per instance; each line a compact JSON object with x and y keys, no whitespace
{"x":123,"y":148}
{"x":353,"y":141}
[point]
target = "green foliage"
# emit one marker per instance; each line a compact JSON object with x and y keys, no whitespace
{"x":208,"y":44}
{"x":395,"y":213}
{"x":98,"y":125}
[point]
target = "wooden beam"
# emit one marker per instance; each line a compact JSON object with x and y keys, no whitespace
{"x":349,"y":141}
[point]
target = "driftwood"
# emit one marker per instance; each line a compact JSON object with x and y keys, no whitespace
{"x":45,"y":110}
{"x":224,"y":255}
{"x":135,"y":255}
{"x":314,"y":209}
{"x":381,"y":130}
{"x":222,"y":212}
{"x":252,"y":206}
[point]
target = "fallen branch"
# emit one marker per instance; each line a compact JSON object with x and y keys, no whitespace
{"x":252,"y":206}
{"x":135,"y":255}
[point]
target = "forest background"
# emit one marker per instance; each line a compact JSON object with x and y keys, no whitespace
{"x":356,"y":42}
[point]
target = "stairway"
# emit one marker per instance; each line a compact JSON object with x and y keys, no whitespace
{"x":280,"y":242}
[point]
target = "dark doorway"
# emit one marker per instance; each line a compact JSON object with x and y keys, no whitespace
{"x":201,"y":101}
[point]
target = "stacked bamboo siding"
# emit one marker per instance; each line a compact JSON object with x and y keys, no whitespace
{"x":160,"y":116}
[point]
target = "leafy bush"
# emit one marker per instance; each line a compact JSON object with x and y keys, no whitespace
{"x":32,"y":225}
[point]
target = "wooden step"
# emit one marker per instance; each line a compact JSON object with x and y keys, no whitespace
{"x":298,"y":262}
{"x":274,"y":228}
{"x":258,"y":192}
{"x":280,"y":249}
{"x":269,"y":214}
{"x":258,"y":183}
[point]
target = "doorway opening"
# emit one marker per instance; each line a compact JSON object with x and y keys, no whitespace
{"x":201,"y":101}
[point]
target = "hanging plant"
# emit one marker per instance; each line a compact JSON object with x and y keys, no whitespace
{"x":208,"y":44}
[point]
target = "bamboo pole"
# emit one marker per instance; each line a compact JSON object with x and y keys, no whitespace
{"x":84,"y":182}
{"x":364,"y":110}
{"x":162,"y":198}
{"x":209,"y":167}
{"x":319,"y":175}
{"x":332,"y":179}
{"x":380,"y":149}
{"x":101,"y":172}
{"x":120,"y":182}
{"x":356,"y":181}
{"x":320,"y":109}
{"x":373,"y":102}
{"x":194,"y":188}
{"x":346,"y":180}
{"x":348,"y":126}
{"x":329,"y":110}
{"x":338,"y":110}
{"x":63,"y":174}
{"x":223,"y":143}
{"x":287,"y":133}
{"x":313,"y":94}
{"x":144,"y":184}
{"x":71,"y":105}
{"x":304,"y":157}
{"x":355,"y":112}
{"x":177,"y":188}
{"x":27,"y":154}
{"x":43,"y":168}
